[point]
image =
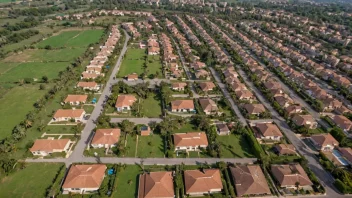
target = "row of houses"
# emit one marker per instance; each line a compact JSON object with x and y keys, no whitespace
{"x":131,"y":29}
{"x":170,"y":59}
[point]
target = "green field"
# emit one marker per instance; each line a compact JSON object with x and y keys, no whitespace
{"x":72,"y":39}
{"x":188,"y":127}
{"x":15,"y":105}
{"x":234,"y":146}
{"x":150,"y":146}
{"x":124,"y":187}
{"x":130,"y":146}
{"x":29,"y":182}
{"x":4,"y":67}
{"x":154,"y":66}
{"x":133,"y":62}
{"x":33,"y":70}
{"x":152,"y":106}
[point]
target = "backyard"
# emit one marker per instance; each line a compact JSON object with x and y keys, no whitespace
{"x":127,"y":180}
{"x":151,"y":107}
{"x":234,"y":146}
{"x":32,"y":181}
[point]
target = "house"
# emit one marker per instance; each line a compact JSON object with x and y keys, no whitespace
{"x":202,"y":74}
{"x":84,"y":178}
{"x":208,"y":106}
{"x":293,"y":109}
{"x":93,"y":86}
{"x":342,"y":110}
{"x":86,"y":75}
{"x":179,"y":86}
{"x":324,"y":142}
{"x":254,"y":109}
{"x":106,"y":138}
{"x":44,"y":147}
{"x":291,"y":176}
{"x":283,"y":101}
{"x":249,"y":181}
{"x":202,"y":182}
{"x":238,"y":86}
{"x":269,"y":131}
{"x":305,"y":120}
{"x":156,"y":185}
{"x":132,"y":77}
{"x":182,"y":105}
{"x":285,"y":149}
{"x":190,"y":141}
{"x":145,"y":130}
{"x":76,"y":99}
{"x":245,"y":95}
{"x":124,"y":102}
{"x":222,"y":129}
{"x":206,"y":86}
{"x":342,"y":122}
{"x":346,"y":153}
{"x":68,"y":114}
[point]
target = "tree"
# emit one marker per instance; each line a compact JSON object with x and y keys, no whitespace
{"x":45,"y":79}
{"x":127,"y":126}
{"x":42,"y":87}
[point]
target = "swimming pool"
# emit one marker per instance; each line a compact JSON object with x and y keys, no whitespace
{"x":339,"y":157}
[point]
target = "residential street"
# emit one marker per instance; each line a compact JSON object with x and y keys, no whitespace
{"x":77,"y":154}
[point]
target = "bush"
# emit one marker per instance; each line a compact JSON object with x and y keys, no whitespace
{"x":342,"y":187}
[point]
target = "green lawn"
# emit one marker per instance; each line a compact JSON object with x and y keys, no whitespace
{"x":133,"y":62}
{"x":33,"y":70}
{"x":29,"y":182}
{"x":58,"y":129}
{"x":124,"y":188}
{"x":152,"y":106}
{"x":20,"y":44}
{"x":88,"y":108}
{"x":4,"y":67}
{"x":234,"y":146}
{"x":15,"y":104}
{"x":188,"y":127}
{"x":150,"y":146}
{"x":130,"y":146}
{"x":154,"y":66}
{"x":72,"y":39}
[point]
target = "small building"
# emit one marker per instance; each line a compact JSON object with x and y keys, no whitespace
{"x":44,"y":147}
{"x":343,"y":122}
{"x":206,"y":86}
{"x":324,"y":142}
{"x":249,"y":181}
{"x":124,"y":102}
{"x":182,"y":105}
{"x":156,"y":185}
{"x":291,"y":176}
{"x":179,"y":86}
{"x":84,"y":179}
{"x":106,"y":138}
{"x":254,"y":109}
{"x":76,"y":99}
{"x":245,"y":95}
{"x":202,"y":182}
{"x":208,"y":106}
{"x":285,"y":149}
{"x":132,"y":77}
{"x":191,"y":141}
{"x":68,"y":115}
{"x":145,"y":130}
{"x":92,"y":86}
{"x":269,"y":131}
{"x":222,"y":129}
{"x":305,"y":120}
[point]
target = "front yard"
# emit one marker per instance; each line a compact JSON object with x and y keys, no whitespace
{"x":235,"y":146}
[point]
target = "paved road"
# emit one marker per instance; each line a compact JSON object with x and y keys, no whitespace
{"x":77,"y":154}
{"x":228,"y":96}
{"x":151,"y":161}
{"x":137,"y":120}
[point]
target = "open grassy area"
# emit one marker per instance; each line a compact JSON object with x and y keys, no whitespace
{"x":29,"y":182}
{"x":188,"y":127}
{"x":234,"y":146}
{"x":133,"y":62}
{"x":58,"y":129}
{"x":150,"y":146}
{"x":33,"y":70}
{"x":15,"y":104}
{"x":72,"y":39}
{"x":152,"y":106}
{"x":130,"y":146}
{"x":154,"y":66}
{"x":124,"y":187}
{"x":4,"y":67}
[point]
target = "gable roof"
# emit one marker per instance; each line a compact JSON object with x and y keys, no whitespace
{"x":324,"y":139}
{"x":125,"y":100}
{"x":182,"y":104}
{"x":156,"y":184}
{"x":208,"y":105}
{"x":206,"y":86}
{"x":179,"y":85}
{"x":249,"y":180}
{"x":288,"y":175}
{"x":76,"y":98}
{"x":49,"y":145}
{"x":68,"y":113}
{"x":254,"y":108}
{"x":342,"y":122}
{"x":85,"y":176}
{"x":268,"y":129}
{"x":190,"y":139}
{"x":198,"y":181}
{"x":285,"y":149}
{"x":106,"y":136}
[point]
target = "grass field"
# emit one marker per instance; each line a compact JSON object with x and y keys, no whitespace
{"x":130,"y":146}
{"x":234,"y":146}
{"x":125,"y":188}
{"x":15,"y":105}
{"x":33,"y":70}
{"x":58,"y":129}
{"x":4,"y":67}
{"x":29,"y":182}
{"x":188,"y":127}
{"x":72,"y":39}
{"x":150,"y":146}
{"x":133,"y":62}
{"x":152,"y":106}
{"x":20,"y":44}
{"x":154,"y":66}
